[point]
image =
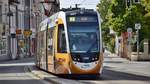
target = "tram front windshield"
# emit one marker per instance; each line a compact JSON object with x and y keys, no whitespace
{"x":83,"y":37}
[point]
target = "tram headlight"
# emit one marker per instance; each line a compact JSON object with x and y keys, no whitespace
{"x":95,"y":58}
{"x":75,"y":59}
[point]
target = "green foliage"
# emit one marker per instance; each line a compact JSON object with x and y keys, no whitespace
{"x":117,"y":16}
{"x":117,"y":7}
{"x":111,"y":45}
{"x":116,"y":24}
{"x":146,"y":4}
{"x":103,"y":7}
{"x":133,"y":15}
{"x":145,"y":31}
{"x":123,"y":17}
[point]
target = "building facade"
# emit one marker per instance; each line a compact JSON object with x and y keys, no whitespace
{"x":19,"y":21}
{"x":3,"y":30}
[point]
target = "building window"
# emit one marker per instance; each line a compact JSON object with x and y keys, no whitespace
{"x":22,"y":20}
{"x":3,"y":46}
{"x":19,"y":17}
{"x":50,"y":42}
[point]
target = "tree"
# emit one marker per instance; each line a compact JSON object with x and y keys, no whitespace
{"x":146,"y":4}
{"x":103,"y":8}
{"x":123,"y":17}
{"x":117,"y":7}
{"x":115,"y":16}
{"x":146,"y":19}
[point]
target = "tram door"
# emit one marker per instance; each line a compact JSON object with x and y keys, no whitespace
{"x":43,"y":50}
{"x":38,"y":50}
{"x":50,"y":50}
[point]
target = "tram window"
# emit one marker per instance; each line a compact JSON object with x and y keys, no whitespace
{"x":61,"y":39}
{"x":50,"y":42}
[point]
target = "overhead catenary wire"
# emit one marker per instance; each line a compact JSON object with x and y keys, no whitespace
{"x":78,"y":3}
{"x":74,"y":2}
{"x":82,"y":4}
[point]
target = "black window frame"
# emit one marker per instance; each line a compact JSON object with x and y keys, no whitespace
{"x":61,"y":44}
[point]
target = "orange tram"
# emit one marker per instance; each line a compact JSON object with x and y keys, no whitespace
{"x":70,"y":42}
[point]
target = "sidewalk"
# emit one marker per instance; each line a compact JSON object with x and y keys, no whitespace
{"x":22,"y":60}
{"x":123,"y":65}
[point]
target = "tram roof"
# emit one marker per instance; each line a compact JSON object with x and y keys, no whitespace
{"x":81,"y":11}
{"x":52,"y":19}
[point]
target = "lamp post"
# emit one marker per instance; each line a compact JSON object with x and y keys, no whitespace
{"x":9,"y":14}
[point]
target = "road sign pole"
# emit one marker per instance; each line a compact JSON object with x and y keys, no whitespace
{"x":137,"y":42}
{"x":137,"y":27}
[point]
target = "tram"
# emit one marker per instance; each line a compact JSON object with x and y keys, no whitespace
{"x":70,"y":42}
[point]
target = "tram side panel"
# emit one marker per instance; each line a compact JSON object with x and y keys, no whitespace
{"x":50,"y":49}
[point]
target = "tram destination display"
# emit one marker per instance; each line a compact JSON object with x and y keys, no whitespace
{"x":82,"y":19}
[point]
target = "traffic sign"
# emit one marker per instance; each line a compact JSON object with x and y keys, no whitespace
{"x":18,"y":31}
{"x":129,"y":30}
{"x":27,"y":33}
{"x":137,"y":26}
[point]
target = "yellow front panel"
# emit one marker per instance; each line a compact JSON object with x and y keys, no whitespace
{"x":62,"y":63}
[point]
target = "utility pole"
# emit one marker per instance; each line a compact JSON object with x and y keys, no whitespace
{"x":137,"y":27}
{"x":9,"y":14}
{"x":9,"y":36}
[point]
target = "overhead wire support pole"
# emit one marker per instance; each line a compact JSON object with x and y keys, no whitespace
{"x":137,"y":42}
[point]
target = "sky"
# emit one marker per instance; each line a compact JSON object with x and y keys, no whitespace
{"x":88,"y":4}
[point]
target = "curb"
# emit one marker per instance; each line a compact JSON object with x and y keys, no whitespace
{"x":41,"y":76}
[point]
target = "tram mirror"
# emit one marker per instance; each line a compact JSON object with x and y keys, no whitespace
{"x":49,"y":46}
{"x":103,"y":49}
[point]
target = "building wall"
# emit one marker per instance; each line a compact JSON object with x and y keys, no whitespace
{"x":3,"y":30}
{"x":26,"y":16}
